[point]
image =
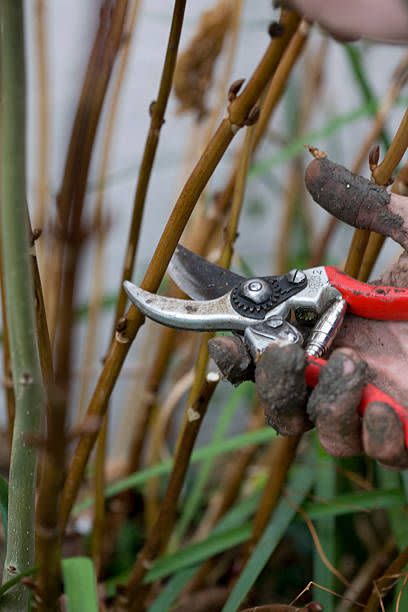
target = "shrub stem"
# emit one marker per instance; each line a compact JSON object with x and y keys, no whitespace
{"x":19,"y":293}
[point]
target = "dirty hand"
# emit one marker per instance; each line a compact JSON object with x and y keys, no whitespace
{"x":381,"y":20}
{"x":365,"y":350}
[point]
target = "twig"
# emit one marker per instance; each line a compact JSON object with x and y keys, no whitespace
{"x":273,"y":94}
{"x":43,"y":117}
{"x":383,"y":584}
{"x":238,"y":115}
{"x":194,"y":414}
{"x":145,"y":405}
{"x":19,"y":290}
{"x":95,"y":302}
{"x":97,"y":289}
{"x":48,"y":535}
{"x":43,"y":114}
{"x":365,"y":576}
{"x":133,"y":598}
{"x":157,"y":112}
{"x":157,"y":435}
{"x":319,"y":548}
{"x":69,"y":232}
{"x":381,"y":175}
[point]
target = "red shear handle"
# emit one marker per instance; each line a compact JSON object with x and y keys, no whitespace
{"x":370,"y":301}
{"x":371,"y":393}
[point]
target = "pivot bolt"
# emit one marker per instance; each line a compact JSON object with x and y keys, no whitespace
{"x":256,"y":290}
{"x":255,"y":286}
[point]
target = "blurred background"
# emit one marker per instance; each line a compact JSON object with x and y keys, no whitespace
{"x":341,"y":98}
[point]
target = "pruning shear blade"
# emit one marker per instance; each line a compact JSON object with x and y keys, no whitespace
{"x":206,"y":315}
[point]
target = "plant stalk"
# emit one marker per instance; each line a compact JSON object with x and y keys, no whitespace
{"x":195,"y":413}
{"x":96,"y":297}
{"x":239,"y":110}
{"x":157,"y":111}
{"x":19,"y":292}
{"x":383,"y":584}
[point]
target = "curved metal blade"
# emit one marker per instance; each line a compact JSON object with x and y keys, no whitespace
{"x":208,"y":315}
{"x":199,"y":278}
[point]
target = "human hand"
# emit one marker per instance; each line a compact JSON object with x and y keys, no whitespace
{"x":365,"y":350}
{"x":381,"y":20}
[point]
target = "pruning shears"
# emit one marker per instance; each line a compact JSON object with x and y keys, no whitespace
{"x":304,"y":307}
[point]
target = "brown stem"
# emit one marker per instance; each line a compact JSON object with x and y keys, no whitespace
{"x":99,"y":487}
{"x":363,"y":580}
{"x":43,"y":117}
{"x":381,"y":176}
{"x":163,"y":353}
{"x":202,"y":387}
{"x":97,"y":291}
{"x":383,"y":584}
{"x":174,"y":228}
{"x":70,"y":200}
{"x":52,"y":467}
{"x":157,"y":112}
{"x":95,"y":302}
{"x":134,"y":596}
{"x":70,"y":206}
{"x":273,"y":95}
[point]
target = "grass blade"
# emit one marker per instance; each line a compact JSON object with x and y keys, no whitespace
{"x":172,"y":590}
{"x":80,"y":584}
{"x":6,"y":586}
{"x":299,"y":486}
{"x":260,"y":436}
{"x":231,"y":529}
{"x":196,"y":553}
{"x":361,"y":501}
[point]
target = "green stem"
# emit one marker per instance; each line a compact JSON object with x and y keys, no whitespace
{"x":19,"y":291}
